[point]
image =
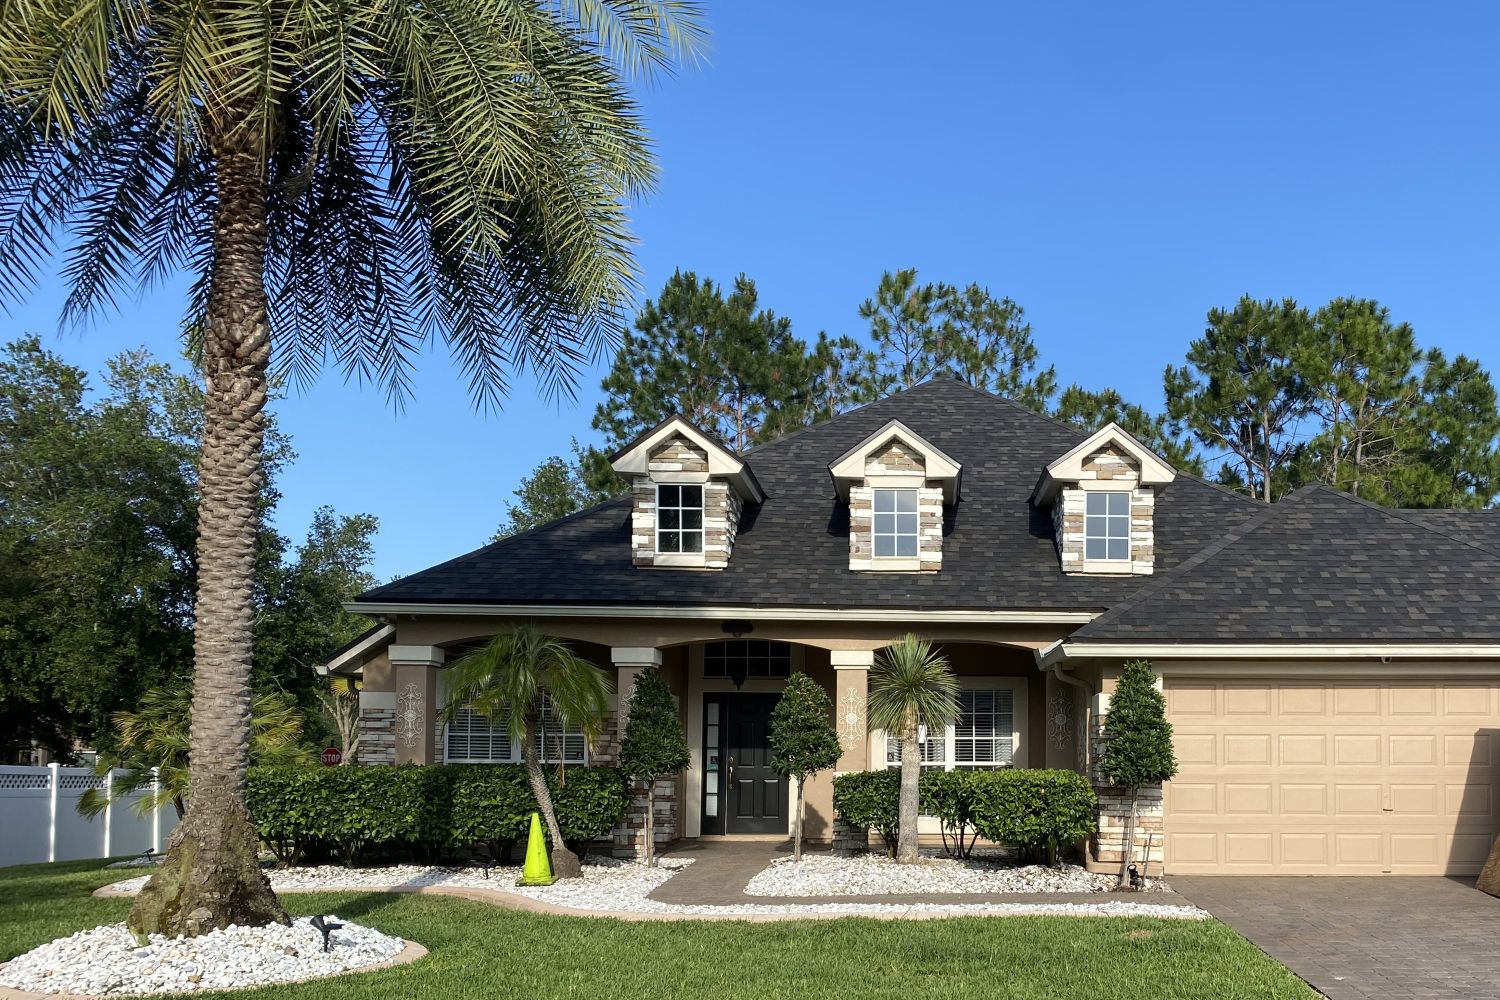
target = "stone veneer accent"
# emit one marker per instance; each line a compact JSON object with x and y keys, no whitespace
{"x":675,"y":461}
{"x":848,"y":839}
{"x":1121,"y":472}
{"x":895,"y":460}
{"x":1108,"y":845}
{"x":377,"y":736}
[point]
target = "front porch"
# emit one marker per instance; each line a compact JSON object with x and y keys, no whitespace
{"x":726,"y":684}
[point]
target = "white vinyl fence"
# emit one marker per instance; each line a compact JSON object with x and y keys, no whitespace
{"x":39,"y":818}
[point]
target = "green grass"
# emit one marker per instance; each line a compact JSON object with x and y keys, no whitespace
{"x":477,"y":950}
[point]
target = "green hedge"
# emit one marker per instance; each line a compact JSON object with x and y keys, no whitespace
{"x":1039,"y":811}
{"x":423,"y":809}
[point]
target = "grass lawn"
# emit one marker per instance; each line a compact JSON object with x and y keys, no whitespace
{"x":484,"y":951}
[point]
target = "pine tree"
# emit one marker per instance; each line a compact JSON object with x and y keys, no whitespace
{"x":1138,"y":741}
{"x":803,"y":740}
{"x":988,"y":344}
{"x":654,"y":745}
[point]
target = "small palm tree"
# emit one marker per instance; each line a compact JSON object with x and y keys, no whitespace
{"x":508,"y":678}
{"x":155,"y":736}
{"x":910,"y":687}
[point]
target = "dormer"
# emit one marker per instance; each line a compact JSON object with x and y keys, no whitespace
{"x":1103,"y":499}
{"x":896,"y":484}
{"x":688,"y":492}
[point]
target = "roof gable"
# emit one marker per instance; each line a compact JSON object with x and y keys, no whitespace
{"x":849,"y":468}
{"x":1068,"y":468}
{"x":634,"y":459}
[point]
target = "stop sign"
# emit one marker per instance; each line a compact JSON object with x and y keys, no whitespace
{"x":332,"y":756}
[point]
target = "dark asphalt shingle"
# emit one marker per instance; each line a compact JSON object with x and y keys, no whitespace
{"x":792,"y":550}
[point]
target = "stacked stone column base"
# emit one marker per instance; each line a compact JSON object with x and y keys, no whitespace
{"x":630,"y":836}
{"x":1108,"y":845}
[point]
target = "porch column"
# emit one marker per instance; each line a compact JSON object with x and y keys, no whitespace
{"x":851,"y":672}
{"x":629,"y":661}
{"x":415,"y":669}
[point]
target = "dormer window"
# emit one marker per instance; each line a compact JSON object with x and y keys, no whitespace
{"x":896,"y":535}
{"x":1103,"y":499}
{"x":688,"y":492}
{"x":897,"y":485}
{"x":679,"y":518}
{"x":1106,"y":526}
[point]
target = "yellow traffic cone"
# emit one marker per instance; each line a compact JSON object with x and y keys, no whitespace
{"x":538,"y":869}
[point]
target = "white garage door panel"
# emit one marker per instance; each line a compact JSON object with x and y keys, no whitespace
{"x":1332,"y":777}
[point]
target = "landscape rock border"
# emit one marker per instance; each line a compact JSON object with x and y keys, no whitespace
{"x":408,"y":954}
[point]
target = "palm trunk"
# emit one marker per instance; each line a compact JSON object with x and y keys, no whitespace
{"x":211,"y":877}
{"x":565,"y":863}
{"x":911,"y":773}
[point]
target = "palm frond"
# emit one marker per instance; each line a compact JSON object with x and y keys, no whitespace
{"x":911,"y":685}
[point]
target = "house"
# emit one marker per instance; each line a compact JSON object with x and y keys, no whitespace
{"x":1331,"y":668}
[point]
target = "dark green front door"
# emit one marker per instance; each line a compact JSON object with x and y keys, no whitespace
{"x":741,"y":792}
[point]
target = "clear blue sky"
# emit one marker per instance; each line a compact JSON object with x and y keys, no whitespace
{"x":1117,"y":169}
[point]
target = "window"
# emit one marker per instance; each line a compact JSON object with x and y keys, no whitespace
{"x":679,"y":518}
{"x":895,"y":523}
{"x":474,"y":738}
{"x":982,"y":738}
{"x":1106,"y":526}
{"x":743,"y":658}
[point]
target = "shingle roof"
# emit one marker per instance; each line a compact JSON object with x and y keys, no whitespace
{"x":792,"y":550}
{"x":1322,"y":566}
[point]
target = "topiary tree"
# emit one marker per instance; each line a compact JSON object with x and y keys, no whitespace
{"x":1138,"y":742}
{"x":803,"y":740}
{"x":654,"y":745}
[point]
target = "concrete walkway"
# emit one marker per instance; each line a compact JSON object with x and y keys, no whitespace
{"x":1373,"y":938}
{"x":721,"y":870}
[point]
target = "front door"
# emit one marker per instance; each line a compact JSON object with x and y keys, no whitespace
{"x":741,"y":792}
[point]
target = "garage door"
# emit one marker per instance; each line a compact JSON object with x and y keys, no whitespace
{"x":1332,"y":777}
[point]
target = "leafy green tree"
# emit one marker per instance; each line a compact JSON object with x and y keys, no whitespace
{"x":508,"y":678}
{"x":346,"y":182}
{"x":718,"y":360}
{"x":911,"y":686}
{"x":1090,"y":411}
{"x":1450,"y":446}
{"x":1241,"y":392}
{"x":302,"y":613}
{"x":803,"y":740}
{"x":556,"y":488}
{"x":654,"y":745}
{"x":1137,"y":742}
{"x":988,"y":345}
{"x":155,"y":735}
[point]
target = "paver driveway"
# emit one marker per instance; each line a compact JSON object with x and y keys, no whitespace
{"x":1365,"y":938}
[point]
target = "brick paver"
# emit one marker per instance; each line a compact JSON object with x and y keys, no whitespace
{"x":1365,"y":938}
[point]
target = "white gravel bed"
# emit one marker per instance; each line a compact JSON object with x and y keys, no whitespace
{"x":105,"y":961}
{"x":875,"y":875}
{"x":610,"y":886}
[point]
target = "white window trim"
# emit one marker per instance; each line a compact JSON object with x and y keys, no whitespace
{"x":1018,"y":712}
{"x":1129,"y":496}
{"x":515,"y":745}
{"x":686,"y":559}
{"x":1107,"y":567}
{"x":891,"y":562}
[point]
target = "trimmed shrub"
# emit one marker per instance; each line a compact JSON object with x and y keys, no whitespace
{"x":1038,"y":810}
{"x":423,"y":809}
{"x":949,"y":796}
{"x":871,"y":800}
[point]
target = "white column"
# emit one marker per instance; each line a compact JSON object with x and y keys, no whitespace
{"x":52,"y":778}
{"x":109,"y":806}
{"x":156,"y":813}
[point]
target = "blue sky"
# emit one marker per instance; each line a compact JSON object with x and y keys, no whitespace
{"x":1117,"y":169}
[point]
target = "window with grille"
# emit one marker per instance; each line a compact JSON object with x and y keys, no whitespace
{"x":982,"y":738}
{"x":747,"y":658}
{"x":679,"y":517}
{"x":474,"y":738}
{"x":1106,"y":526}
{"x":895,"y":525}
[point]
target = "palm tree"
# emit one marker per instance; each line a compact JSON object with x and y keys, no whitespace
{"x":508,"y":679}
{"x":155,"y":736}
{"x":347,"y":182}
{"x":910,"y":687}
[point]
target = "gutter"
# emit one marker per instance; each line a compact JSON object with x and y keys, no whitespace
{"x":379,"y":609}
